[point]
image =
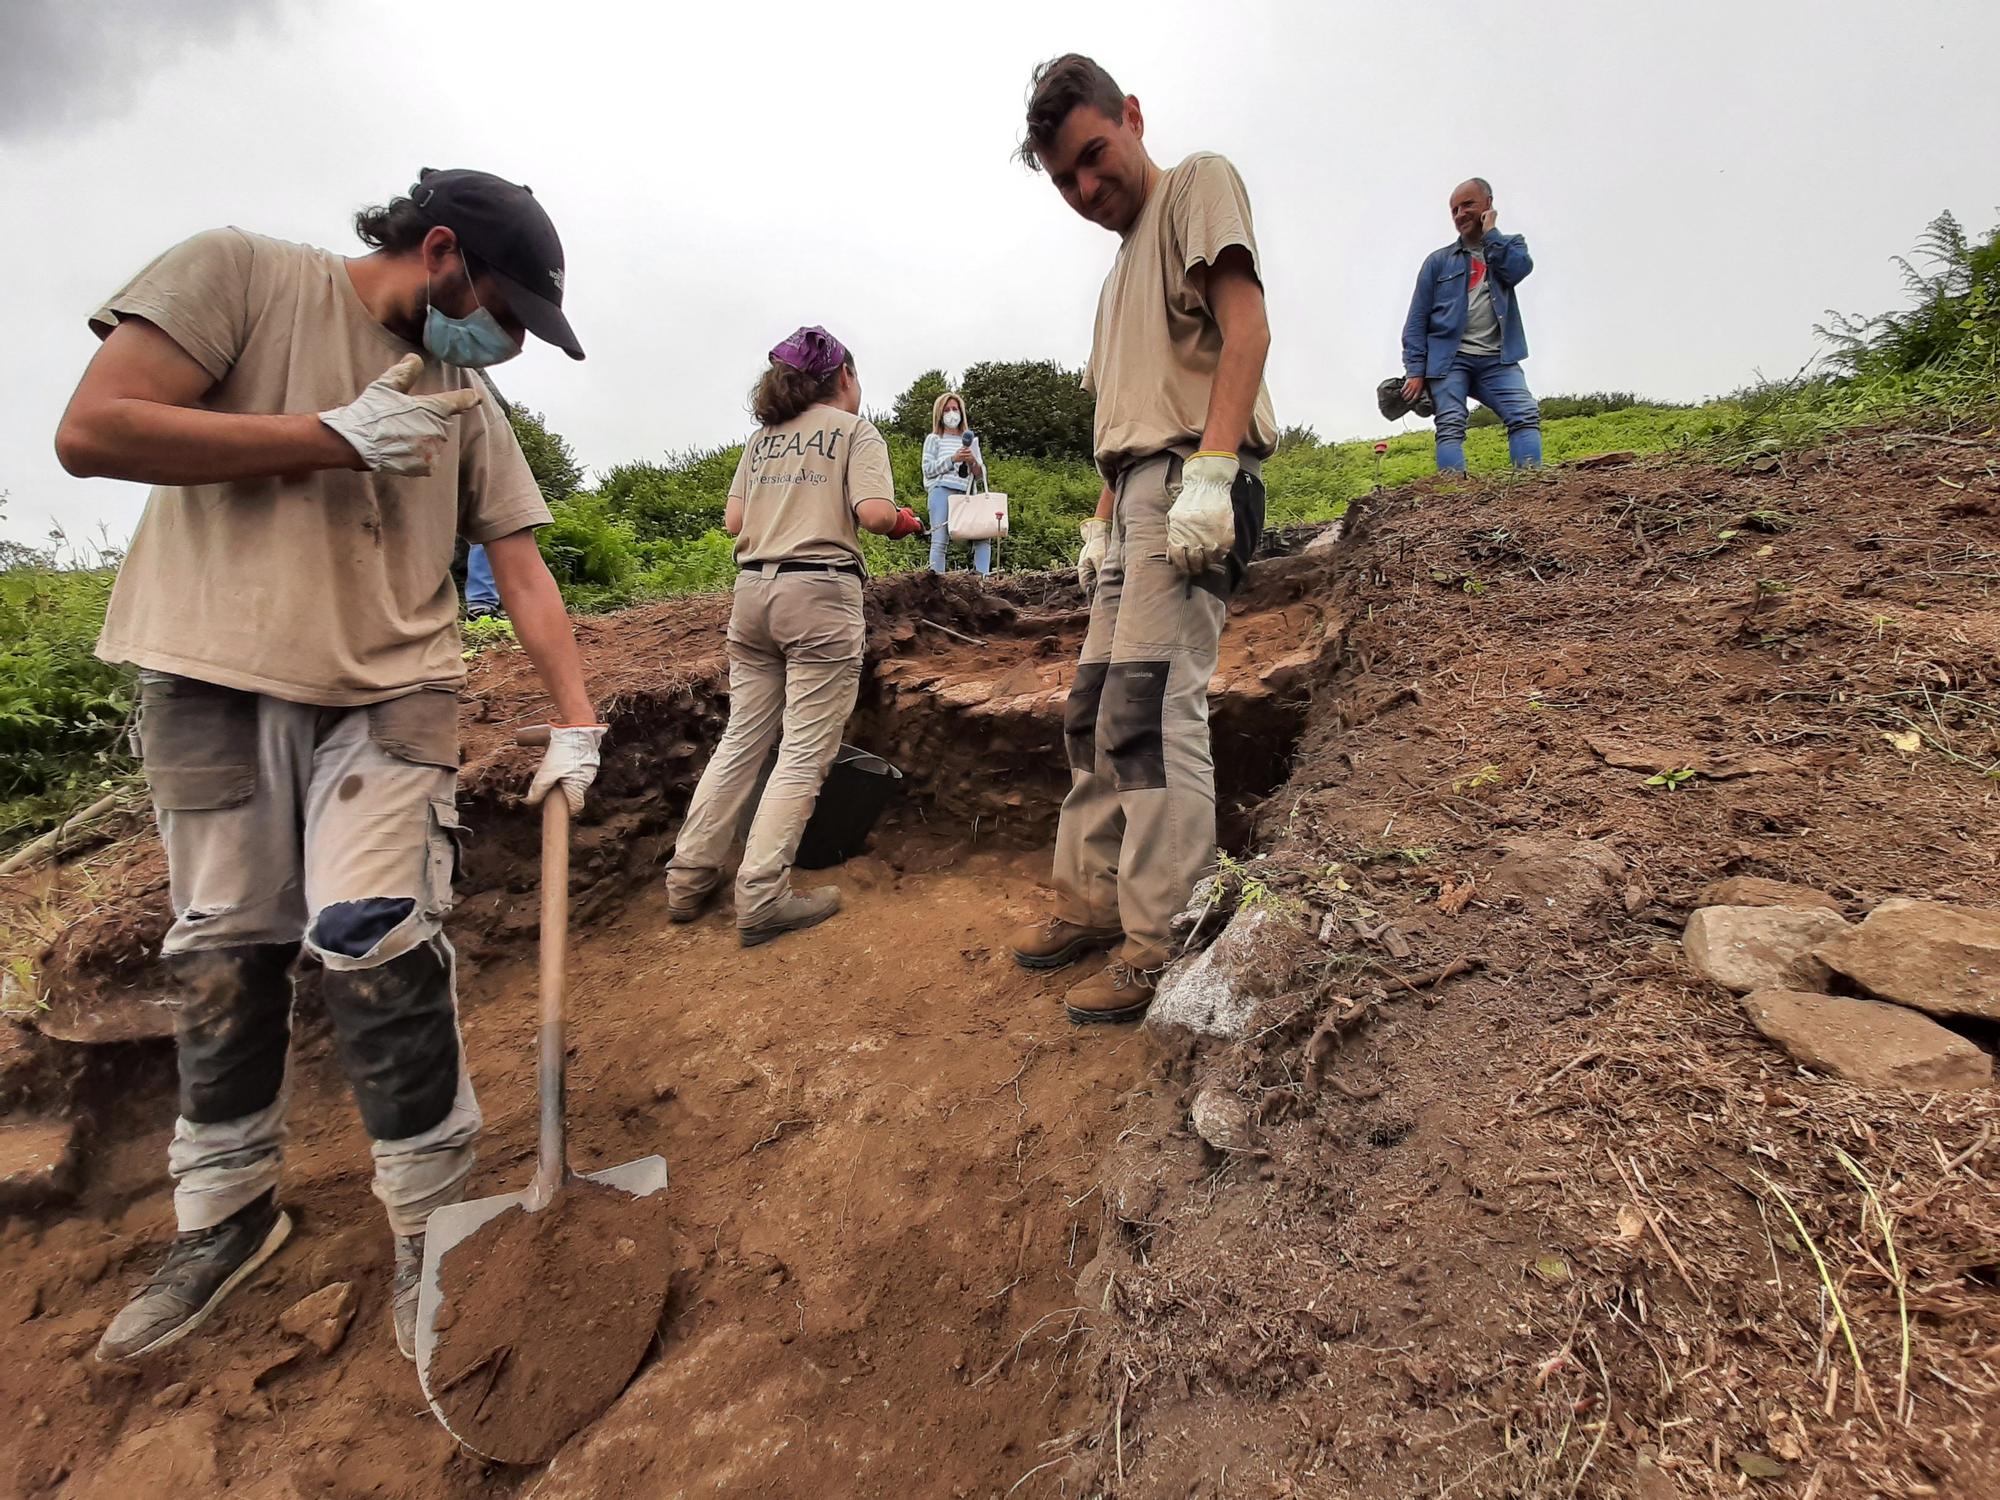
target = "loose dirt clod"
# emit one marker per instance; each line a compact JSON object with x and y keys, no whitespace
{"x":546,"y":1316}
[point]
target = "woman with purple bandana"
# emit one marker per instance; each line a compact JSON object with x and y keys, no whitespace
{"x":811,"y":477}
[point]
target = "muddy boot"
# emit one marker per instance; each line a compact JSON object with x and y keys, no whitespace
{"x":1116,"y":992}
{"x":798,"y":911}
{"x":685,"y":903}
{"x":1056,"y":944}
{"x":403,"y":1291}
{"x":203,"y":1266}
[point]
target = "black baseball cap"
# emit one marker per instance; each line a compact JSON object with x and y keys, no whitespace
{"x":503,"y":227}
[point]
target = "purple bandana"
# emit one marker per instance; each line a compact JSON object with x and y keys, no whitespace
{"x":813,"y":351}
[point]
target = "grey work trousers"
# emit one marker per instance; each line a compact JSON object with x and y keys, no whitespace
{"x":1138,"y":826}
{"x":795,"y":648}
{"x":291,"y":827}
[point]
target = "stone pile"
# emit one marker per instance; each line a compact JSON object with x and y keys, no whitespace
{"x":1862,"y":1001}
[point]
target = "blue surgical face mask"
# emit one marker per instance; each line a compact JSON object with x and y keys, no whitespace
{"x":473,"y":342}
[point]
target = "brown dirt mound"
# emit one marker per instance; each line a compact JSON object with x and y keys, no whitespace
{"x":1519,"y":1232}
{"x":543,"y":1317}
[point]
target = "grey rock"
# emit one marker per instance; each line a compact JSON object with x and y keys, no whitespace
{"x":1867,"y":1042}
{"x":1746,"y":948}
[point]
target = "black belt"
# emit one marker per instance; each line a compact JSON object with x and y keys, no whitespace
{"x":817,"y":567}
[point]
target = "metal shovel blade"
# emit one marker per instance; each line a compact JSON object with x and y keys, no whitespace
{"x":450,"y":1225}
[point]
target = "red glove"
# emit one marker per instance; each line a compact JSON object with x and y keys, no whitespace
{"x":907,"y":524}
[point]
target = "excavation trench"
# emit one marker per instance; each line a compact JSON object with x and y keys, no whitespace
{"x":885,"y":1139}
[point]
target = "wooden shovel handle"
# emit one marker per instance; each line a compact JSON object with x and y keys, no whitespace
{"x":552,"y":1157}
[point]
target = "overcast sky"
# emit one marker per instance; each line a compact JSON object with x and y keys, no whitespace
{"x":1698,"y":181}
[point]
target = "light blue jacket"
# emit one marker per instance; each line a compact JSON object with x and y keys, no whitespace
{"x":1436,"y":324}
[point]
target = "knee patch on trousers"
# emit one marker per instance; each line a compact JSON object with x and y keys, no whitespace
{"x":1132,"y":719}
{"x":231,"y":1028}
{"x":353,"y":929}
{"x":1080,"y":715}
{"x":396,"y":1030}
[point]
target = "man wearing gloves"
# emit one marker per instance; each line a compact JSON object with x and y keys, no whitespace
{"x":1183,"y":425}
{"x":1463,"y":337}
{"x":317,"y":442}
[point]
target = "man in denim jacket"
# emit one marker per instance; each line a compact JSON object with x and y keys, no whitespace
{"x":1464,"y":337}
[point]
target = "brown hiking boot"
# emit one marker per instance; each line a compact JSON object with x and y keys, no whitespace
{"x":1055,"y":944}
{"x":798,"y":911}
{"x":684,"y":904}
{"x":1117,"y":992}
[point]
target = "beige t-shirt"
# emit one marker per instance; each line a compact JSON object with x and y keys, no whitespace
{"x":799,"y":484}
{"x":1154,"y":353}
{"x":330,"y":587}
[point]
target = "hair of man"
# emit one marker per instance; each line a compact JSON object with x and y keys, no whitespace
{"x":782,"y":392}
{"x":1059,"y":86}
{"x":396,"y":227}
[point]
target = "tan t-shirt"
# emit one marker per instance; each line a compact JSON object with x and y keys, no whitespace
{"x":1153,"y":356}
{"x":331,"y":587}
{"x":799,"y":484}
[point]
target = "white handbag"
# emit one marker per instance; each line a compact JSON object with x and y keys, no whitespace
{"x":978,"y":515}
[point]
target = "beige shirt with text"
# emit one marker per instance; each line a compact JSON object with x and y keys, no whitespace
{"x":799,"y":482}
{"x":332,"y":587}
{"x":1156,"y":345}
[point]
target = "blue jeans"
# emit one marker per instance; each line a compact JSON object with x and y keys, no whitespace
{"x":1499,"y":385}
{"x":479,"y":588}
{"x":940,"y":507}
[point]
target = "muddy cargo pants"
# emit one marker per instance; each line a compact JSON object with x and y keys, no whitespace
{"x":1138,"y":826}
{"x":795,"y":648}
{"x":291,"y":827}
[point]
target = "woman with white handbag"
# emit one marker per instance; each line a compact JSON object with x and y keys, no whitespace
{"x":952,"y":465}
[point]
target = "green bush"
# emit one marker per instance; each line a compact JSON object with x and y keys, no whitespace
{"x":1033,"y":408}
{"x":911,"y":415}
{"x":60,"y":707}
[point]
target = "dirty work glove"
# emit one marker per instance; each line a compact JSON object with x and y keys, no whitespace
{"x":570,"y":761}
{"x":1096,"y":537}
{"x":393,"y":431}
{"x":907,"y":524}
{"x":1201,"y":524}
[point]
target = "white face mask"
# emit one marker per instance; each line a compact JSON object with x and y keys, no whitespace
{"x":951,"y":419}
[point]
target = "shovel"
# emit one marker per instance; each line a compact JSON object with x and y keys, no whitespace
{"x":454,"y":1222}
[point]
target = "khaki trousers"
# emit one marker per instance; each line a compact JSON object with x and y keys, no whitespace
{"x":1138,"y":826}
{"x":795,"y":647}
{"x":332,"y":831}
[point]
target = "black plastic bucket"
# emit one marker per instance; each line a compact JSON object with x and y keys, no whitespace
{"x":856,"y":790}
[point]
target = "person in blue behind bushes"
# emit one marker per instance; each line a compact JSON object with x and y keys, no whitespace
{"x":1463,"y":336}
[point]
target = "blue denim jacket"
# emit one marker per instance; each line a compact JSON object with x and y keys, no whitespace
{"x":1436,"y":323}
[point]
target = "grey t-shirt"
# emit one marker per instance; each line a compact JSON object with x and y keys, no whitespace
{"x":1482,"y":324}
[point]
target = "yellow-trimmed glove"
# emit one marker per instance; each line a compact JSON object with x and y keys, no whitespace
{"x":1201,"y":524}
{"x":393,"y":431}
{"x":1096,"y":537}
{"x":570,"y":762}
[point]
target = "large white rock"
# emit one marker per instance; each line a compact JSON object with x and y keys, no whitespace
{"x":1745,"y":948}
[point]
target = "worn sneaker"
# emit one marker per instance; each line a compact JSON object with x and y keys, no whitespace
{"x":403,"y":1291}
{"x":684,"y":904}
{"x":484,"y":612}
{"x":1055,"y":944}
{"x":203,"y":1266}
{"x":1116,"y":992}
{"x":798,"y":911}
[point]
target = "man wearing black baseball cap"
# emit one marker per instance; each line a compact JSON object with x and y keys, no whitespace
{"x":317,"y":442}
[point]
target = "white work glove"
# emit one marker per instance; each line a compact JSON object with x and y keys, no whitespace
{"x":1096,"y":537}
{"x":1201,"y":524}
{"x":570,"y":761}
{"x":393,"y":431}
